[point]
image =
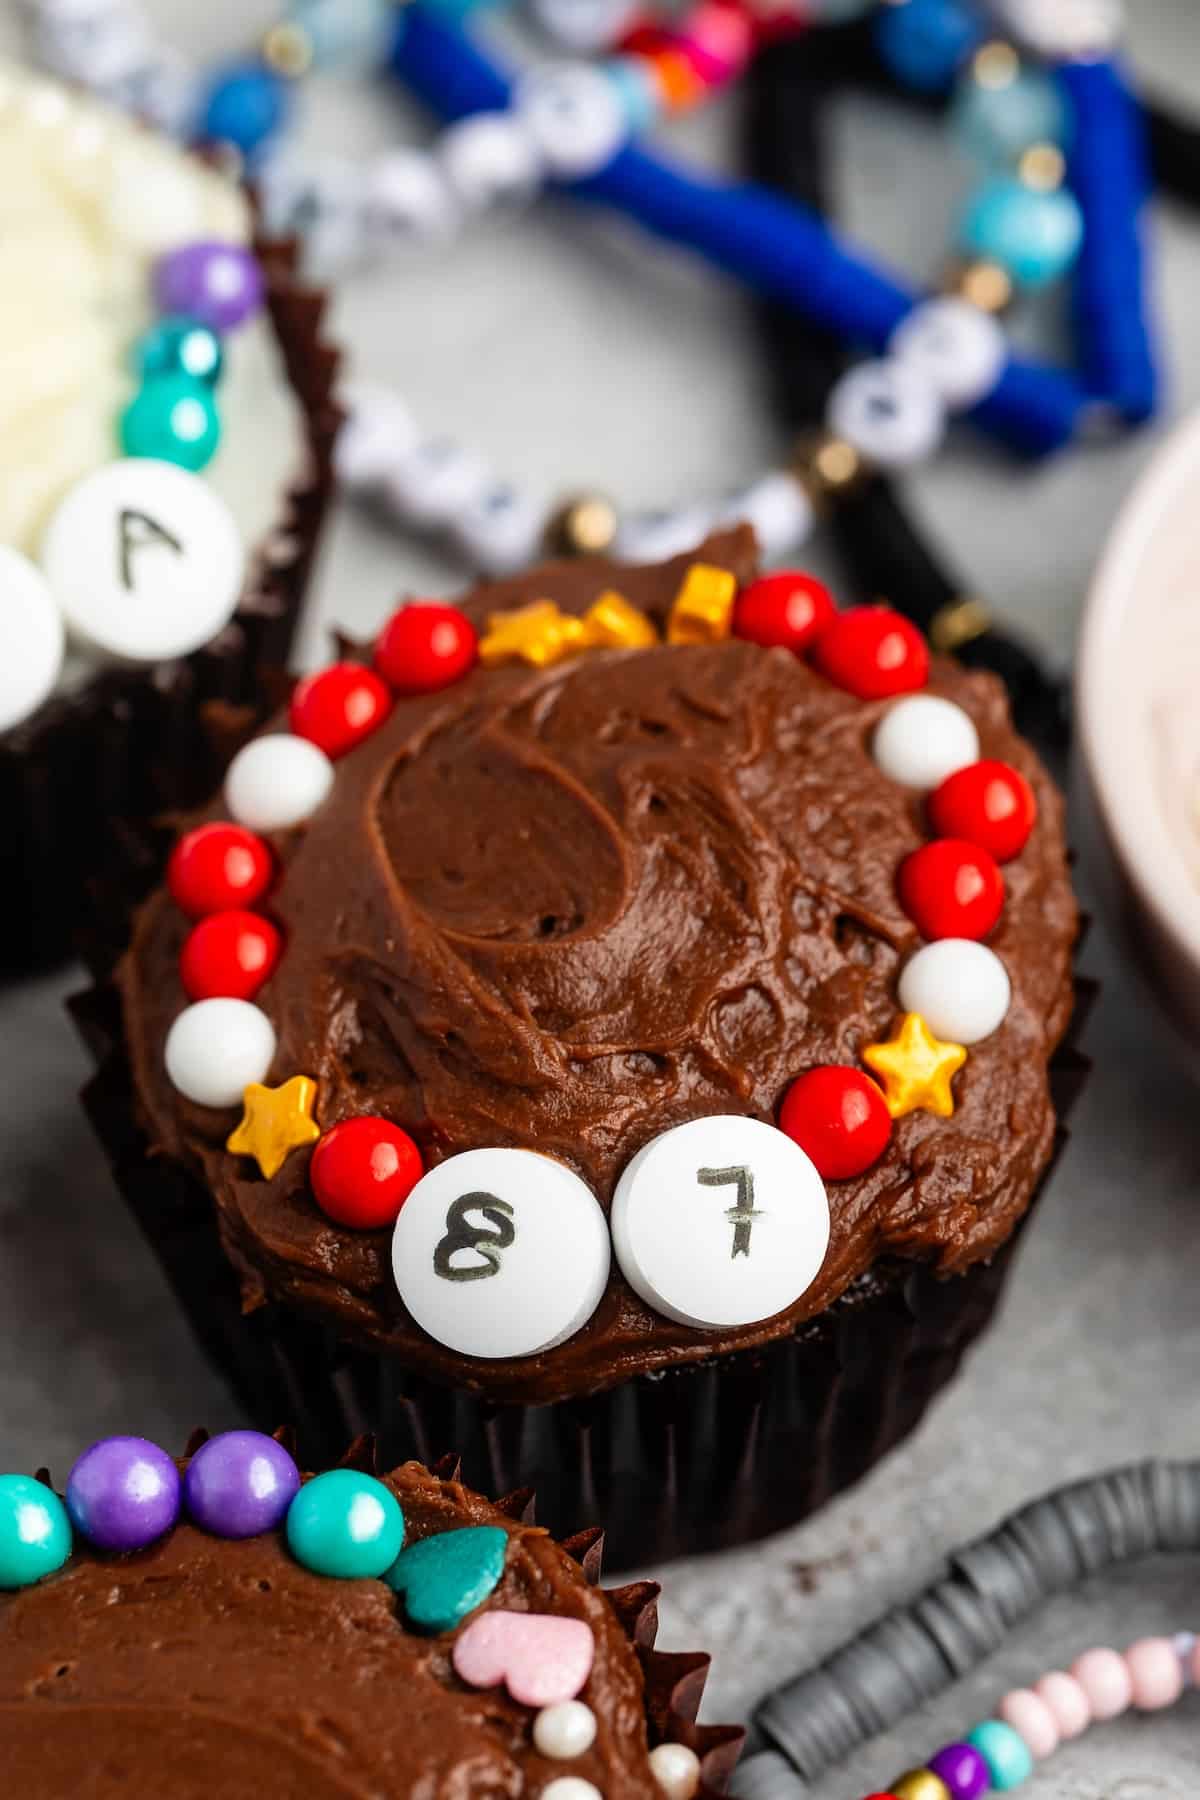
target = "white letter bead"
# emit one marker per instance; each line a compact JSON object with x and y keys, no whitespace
{"x":889,"y":411}
{"x":500,"y":531}
{"x":500,"y":1253}
{"x":961,"y":989}
{"x":922,"y":740}
{"x":436,"y":481}
{"x":676,"y":1770}
{"x":722,"y":1221}
{"x":408,"y":200}
{"x":144,"y":559}
{"x":32,"y":640}
{"x":651,"y":537}
{"x":277,"y":781}
{"x":777,"y":508}
{"x":564,"y":1730}
{"x":574,"y":116}
{"x":216,"y":1048}
{"x":489,"y":159}
{"x":958,"y":348}
{"x":378,"y":433}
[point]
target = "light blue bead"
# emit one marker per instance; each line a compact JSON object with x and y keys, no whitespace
{"x":179,"y":346}
{"x":636,"y":89}
{"x":345,"y":1524}
{"x":455,"y":11}
{"x":35,"y":1532}
{"x":924,"y":43}
{"x":351,"y":34}
{"x":247,"y":104}
{"x":173,"y":418}
{"x":1005,"y":1752}
{"x":996,"y":125}
{"x":1034,"y":235}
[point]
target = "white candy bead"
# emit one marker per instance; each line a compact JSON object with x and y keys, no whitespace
{"x":500,"y":531}
{"x":651,"y":537}
{"x":145,"y":560}
{"x":719,"y":1222}
{"x":889,"y":411}
{"x":277,"y":781}
{"x":216,"y":1048}
{"x":957,"y":347}
{"x":574,"y":116}
{"x":676,"y":1770}
{"x":435,"y":482}
{"x":583,"y":26}
{"x":1063,"y":29}
{"x":570,"y":1787}
{"x":564,"y":1730}
{"x":500,"y":1253}
{"x":961,"y":989}
{"x":490,"y":160}
{"x":31,"y":638}
{"x":777,"y":507}
{"x":378,"y":433}
{"x":923,"y":739}
{"x":409,"y":200}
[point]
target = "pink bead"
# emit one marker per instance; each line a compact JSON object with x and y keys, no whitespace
{"x":1032,"y":1719}
{"x":542,"y":1658}
{"x":1155,"y":1672}
{"x":1105,"y":1679}
{"x":1067,"y":1701}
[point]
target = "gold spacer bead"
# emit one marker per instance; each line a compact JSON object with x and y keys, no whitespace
{"x":957,"y":623}
{"x":1044,"y":167}
{"x":583,"y":526}
{"x":827,"y":467}
{"x":919,"y":1784}
{"x":995,"y":65}
{"x":288,"y":50}
{"x":984,"y":284}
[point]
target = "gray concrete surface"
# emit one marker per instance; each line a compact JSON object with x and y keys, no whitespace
{"x":570,"y":353}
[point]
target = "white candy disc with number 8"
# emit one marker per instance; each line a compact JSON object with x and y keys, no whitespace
{"x":501,"y":1253}
{"x":720,"y":1222}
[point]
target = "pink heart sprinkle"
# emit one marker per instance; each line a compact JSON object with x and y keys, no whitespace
{"x":542,"y":1659}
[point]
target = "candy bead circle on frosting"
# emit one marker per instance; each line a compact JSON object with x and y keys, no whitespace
{"x":570,"y":1787}
{"x":990,"y":804}
{"x":229,"y":956}
{"x":448,"y":1575}
{"x":218,"y":283}
{"x":1105,"y":1679}
{"x":1068,"y":1704}
{"x":961,"y":989}
{"x":565,"y":1730}
{"x":174,"y":419}
{"x":951,"y":889}
{"x":1005,"y":1752}
{"x":35,"y":1531}
{"x":676,"y":1769}
{"x":239,"y":1484}
{"x":33,"y":638}
{"x":145,"y":560}
{"x":955,"y":346}
{"x":424,"y":647}
{"x":217,"y":868}
{"x":1029,"y":1714}
{"x":277,"y":781}
{"x":890,"y":411}
{"x":345,"y":1524}
{"x":179,"y":346}
{"x":923,"y":740}
{"x":500,"y":1253}
{"x":123,"y":1493}
{"x":788,"y":609}
{"x":1156,"y":1673}
{"x":363,"y":1170}
{"x":339,"y":707}
{"x":722,"y":1221}
{"x":839,"y":1118}
{"x":216,"y":1048}
{"x":872,"y":652}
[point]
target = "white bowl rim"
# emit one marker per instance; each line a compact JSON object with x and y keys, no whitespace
{"x":1134,"y":820}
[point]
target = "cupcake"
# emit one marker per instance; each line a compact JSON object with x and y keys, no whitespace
{"x":251,"y":1632}
{"x":166,"y":427}
{"x":634,"y":1051}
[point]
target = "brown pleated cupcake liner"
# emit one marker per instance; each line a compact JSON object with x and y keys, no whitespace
{"x":91,"y":768}
{"x":692,"y":1459}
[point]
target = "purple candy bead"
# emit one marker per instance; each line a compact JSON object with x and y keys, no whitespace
{"x":123,"y":1493}
{"x":963,"y":1770}
{"x":220,"y":284}
{"x":240,"y":1484}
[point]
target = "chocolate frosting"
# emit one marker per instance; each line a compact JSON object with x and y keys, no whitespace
{"x":567,"y":909}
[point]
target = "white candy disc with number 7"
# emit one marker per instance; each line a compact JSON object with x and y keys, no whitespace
{"x":720,"y":1222}
{"x":500,"y":1253}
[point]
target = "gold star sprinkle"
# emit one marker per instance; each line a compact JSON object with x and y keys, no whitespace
{"x":916,"y":1069}
{"x":702,"y":612}
{"x":275,"y":1121}
{"x":538,"y":634}
{"x":611,"y":623}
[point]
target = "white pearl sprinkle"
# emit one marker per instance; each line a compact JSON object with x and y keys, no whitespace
{"x":565,"y":1730}
{"x":961,"y":989}
{"x":922,"y":740}
{"x":676,"y":1770}
{"x":277,"y":781}
{"x":216,"y":1048}
{"x":571,"y":1787}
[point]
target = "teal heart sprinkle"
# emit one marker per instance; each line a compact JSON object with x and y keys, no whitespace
{"x":443,"y":1578}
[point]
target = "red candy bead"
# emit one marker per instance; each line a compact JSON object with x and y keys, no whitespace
{"x":228,"y":956}
{"x":990,"y":804}
{"x":787,"y":610}
{"x":425,"y":647}
{"x":363,"y":1170}
{"x":338,"y":707}
{"x":839,"y":1118}
{"x":216,"y":868}
{"x":951,"y":889}
{"x":872,"y":652}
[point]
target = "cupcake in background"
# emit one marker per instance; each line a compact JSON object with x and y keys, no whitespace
{"x":632,"y":1052}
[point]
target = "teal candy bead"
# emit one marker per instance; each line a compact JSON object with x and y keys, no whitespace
{"x":1035,"y":235}
{"x":179,"y":346}
{"x":345,"y":1524}
{"x":996,"y":125}
{"x":349,"y":34}
{"x":35,"y":1532}
{"x":1005,"y":1752}
{"x":174,"y":419}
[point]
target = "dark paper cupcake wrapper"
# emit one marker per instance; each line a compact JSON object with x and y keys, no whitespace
{"x":689,"y":1460}
{"x":91,"y":768}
